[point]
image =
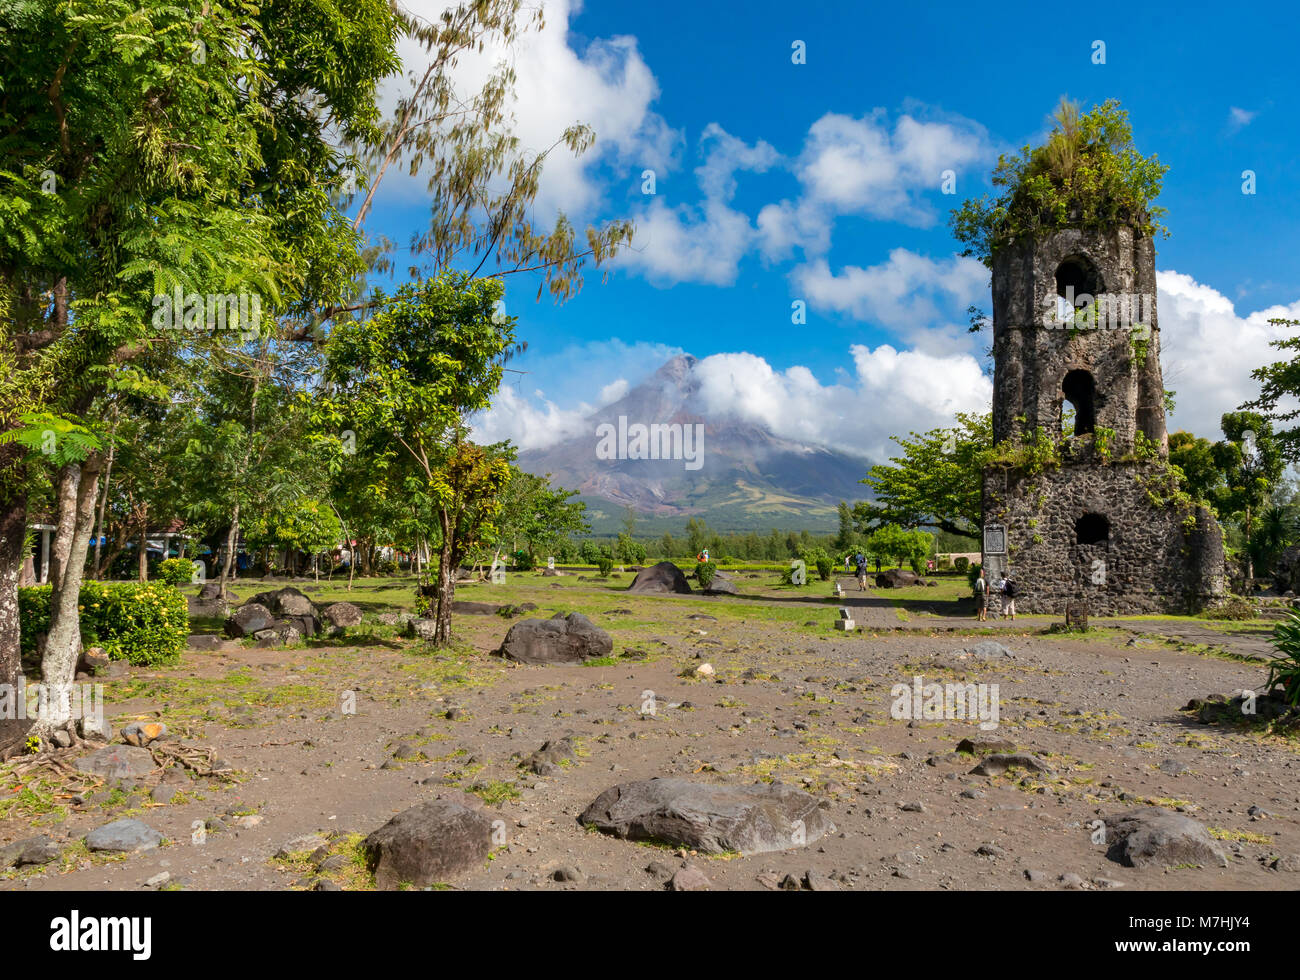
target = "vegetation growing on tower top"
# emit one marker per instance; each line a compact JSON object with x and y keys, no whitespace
{"x":1088,"y":174}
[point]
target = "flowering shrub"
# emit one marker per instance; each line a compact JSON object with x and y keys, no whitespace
{"x":176,"y":571}
{"x":142,"y":624}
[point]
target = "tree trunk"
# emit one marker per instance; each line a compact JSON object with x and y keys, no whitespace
{"x":143,"y":545}
{"x":63,"y":644}
{"x":446,"y":587}
{"x":66,"y":503}
{"x":231,"y":537}
{"x":103,"y":506}
{"x":13,"y":534}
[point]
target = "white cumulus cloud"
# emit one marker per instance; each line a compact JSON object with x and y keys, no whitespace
{"x":1208,"y":351}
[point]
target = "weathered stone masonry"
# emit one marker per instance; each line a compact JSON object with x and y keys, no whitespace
{"x":1098,"y":525}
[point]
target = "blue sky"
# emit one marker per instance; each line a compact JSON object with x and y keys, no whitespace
{"x":820,"y":182}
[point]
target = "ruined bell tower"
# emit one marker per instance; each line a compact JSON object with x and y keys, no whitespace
{"x":1080,"y":503}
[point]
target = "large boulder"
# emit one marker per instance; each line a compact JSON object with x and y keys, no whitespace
{"x":1151,"y":837}
{"x":664,"y":577}
{"x":422,"y":629}
{"x":897,"y":578}
{"x":214,"y":592}
{"x":713,"y":819}
{"x":341,"y":615}
{"x":118,"y":762}
{"x":31,"y":850}
{"x":250,"y":618}
{"x":287,"y":601}
{"x":561,"y":639}
{"x":123,"y":837}
{"x":428,"y":843}
{"x":722,"y":584}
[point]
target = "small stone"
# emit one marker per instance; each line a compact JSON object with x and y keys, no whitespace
{"x":140,"y":733}
{"x":817,"y":882}
{"x":159,"y":879}
{"x":125,"y":836}
{"x":1287,"y":862}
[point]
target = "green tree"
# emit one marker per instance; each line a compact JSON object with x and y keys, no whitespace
{"x":540,"y":514}
{"x":1088,"y":174}
{"x":1195,"y":459}
{"x":846,"y":538}
{"x":1251,"y":461}
{"x":409,"y":377}
{"x":148,"y":150}
{"x":935,"y":482}
{"x":1279,"y":384}
{"x":901,"y":546}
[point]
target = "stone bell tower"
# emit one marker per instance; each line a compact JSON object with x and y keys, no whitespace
{"x":1081,"y":505}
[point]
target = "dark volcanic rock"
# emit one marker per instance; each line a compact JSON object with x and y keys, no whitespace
{"x":664,"y":577}
{"x":342,"y":614}
{"x":722,"y":584}
{"x":559,"y":640}
{"x":118,"y":762}
{"x":250,"y":618}
{"x":998,"y":763}
{"x":428,"y":843}
{"x":32,"y":850}
{"x":896,"y":578}
{"x":213,"y":592}
{"x":287,"y":601}
{"x":1151,"y":837}
{"x":547,"y":761}
{"x":714,"y":819}
{"x":123,"y":837}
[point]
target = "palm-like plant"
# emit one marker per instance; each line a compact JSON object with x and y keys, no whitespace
{"x":1284,"y":669}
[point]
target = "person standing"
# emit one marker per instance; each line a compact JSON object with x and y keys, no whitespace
{"x":981,"y":597}
{"x":1009,"y":592}
{"x":862,"y":573}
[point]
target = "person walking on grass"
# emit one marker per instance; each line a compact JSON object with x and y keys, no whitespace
{"x":981,"y":597}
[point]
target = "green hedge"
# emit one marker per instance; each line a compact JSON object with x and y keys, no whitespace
{"x":141,"y":623}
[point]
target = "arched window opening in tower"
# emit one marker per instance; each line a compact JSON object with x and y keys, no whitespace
{"x":1080,"y":391}
{"x":1077,"y":286}
{"x":1092,"y":529}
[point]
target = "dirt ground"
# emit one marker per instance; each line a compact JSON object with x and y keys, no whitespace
{"x":792,"y":699}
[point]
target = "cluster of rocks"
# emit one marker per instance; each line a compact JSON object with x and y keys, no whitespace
{"x":287,"y":616}
{"x":451,"y":834}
